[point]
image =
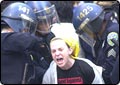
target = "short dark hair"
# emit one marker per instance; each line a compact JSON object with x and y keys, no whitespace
{"x":64,"y":10}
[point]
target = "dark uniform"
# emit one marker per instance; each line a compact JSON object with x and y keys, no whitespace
{"x":102,"y":29}
{"x":21,"y":61}
{"x":45,"y":44}
{"x":105,"y":53}
{"x":46,"y":18}
{"x":88,"y":51}
{"x":115,"y":72}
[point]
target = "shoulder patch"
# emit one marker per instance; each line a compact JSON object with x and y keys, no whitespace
{"x":110,"y":36}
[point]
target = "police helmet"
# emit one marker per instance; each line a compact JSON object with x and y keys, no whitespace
{"x":46,"y":14}
{"x":20,"y":17}
{"x":88,"y":17}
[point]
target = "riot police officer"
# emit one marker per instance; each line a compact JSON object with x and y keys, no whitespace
{"x":46,"y":16}
{"x":19,"y":47}
{"x":95,"y":33}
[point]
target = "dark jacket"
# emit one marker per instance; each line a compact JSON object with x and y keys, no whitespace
{"x":21,"y":61}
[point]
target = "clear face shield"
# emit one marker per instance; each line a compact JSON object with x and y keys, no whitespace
{"x":46,"y":18}
{"x":22,"y":23}
{"x":29,"y":25}
{"x":87,"y":35}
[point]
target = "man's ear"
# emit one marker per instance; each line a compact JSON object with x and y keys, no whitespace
{"x":70,"y":51}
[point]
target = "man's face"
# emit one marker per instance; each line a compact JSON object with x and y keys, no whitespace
{"x":44,"y":27}
{"x":60,"y":53}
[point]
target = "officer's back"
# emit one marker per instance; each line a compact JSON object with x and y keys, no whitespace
{"x":18,"y":63}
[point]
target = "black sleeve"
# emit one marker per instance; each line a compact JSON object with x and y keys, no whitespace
{"x":17,"y":42}
{"x":87,"y":71}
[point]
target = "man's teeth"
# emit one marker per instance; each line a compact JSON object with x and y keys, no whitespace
{"x":59,"y":59}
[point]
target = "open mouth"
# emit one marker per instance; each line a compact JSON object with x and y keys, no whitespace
{"x":59,"y":60}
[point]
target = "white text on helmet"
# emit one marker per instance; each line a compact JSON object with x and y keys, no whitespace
{"x":85,"y":12}
{"x":24,"y":9}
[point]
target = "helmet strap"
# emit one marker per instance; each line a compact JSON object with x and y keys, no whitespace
{"x":103,"y":27}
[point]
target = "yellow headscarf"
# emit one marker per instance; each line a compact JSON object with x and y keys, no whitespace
{"x":73,"y":43}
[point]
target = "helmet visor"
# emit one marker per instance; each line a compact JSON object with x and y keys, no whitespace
{"x":29,"y":25}
{"x":87,"y":35}
{"x":91,"y":27}
{"x":21,"y":24}
{"x":46,"y":18}
{"x":86,"y":28}
{"x":88,"y":39}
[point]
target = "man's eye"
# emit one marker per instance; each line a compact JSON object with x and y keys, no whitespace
{"x":60,"y":49}
{"x":53,"y":51}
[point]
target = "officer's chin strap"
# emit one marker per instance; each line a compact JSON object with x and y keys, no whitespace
{"x":97,"y":44}
{"x":103,"y":27}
